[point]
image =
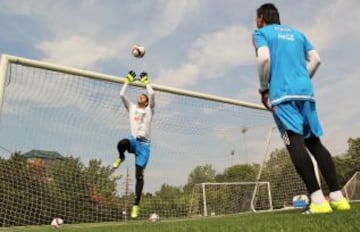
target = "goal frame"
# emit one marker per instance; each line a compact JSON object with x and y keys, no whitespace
{"x":252,"y":205}
{"x":8,"y":59}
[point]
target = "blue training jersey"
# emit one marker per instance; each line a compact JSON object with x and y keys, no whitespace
{"x":289,"y":78}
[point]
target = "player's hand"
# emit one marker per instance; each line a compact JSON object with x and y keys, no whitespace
{"x":265,"y":101}
{"x":130,"y":77}
{"x":144,"y":78}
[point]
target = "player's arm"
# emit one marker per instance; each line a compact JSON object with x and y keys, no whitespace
{"x":312,"y":57}
{"x":262,"y":53}
{"x":313,"y":62}
{"x":150,"y":92}
{"x":130,"y":77}
{"x":151,"y":95}
{"x":263,"y":66}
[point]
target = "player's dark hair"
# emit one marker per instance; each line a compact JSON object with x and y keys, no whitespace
{"x":146,"y":96}
{"x":269,"y":12}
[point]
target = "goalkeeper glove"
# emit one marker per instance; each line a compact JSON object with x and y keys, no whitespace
{"x":130,"y":77}
{"x":144,"y":78}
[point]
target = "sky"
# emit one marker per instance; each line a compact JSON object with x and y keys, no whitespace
{"x":197,"y":45}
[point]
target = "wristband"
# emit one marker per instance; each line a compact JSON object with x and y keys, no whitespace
{"x":263,"y":91}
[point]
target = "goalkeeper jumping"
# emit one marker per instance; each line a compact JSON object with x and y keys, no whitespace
{"x":138,"y":143}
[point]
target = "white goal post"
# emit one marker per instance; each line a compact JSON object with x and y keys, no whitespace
{"x":352,"y":188}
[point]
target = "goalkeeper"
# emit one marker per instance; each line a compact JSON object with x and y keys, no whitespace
{"x":286,"y":63}
{"x":138,"y":143}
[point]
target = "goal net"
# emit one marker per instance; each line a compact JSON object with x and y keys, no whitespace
{"x":59,"y":128}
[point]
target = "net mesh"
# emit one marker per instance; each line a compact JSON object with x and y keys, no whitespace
{"x":58,"y":140}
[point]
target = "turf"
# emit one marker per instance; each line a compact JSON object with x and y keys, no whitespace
{"x":271,"y":221}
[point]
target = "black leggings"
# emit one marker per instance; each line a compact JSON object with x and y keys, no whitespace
{"x":304,"y":166}
{"x":123,"y":145}
{"x":139,"y":184}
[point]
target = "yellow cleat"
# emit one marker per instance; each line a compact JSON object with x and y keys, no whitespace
{"x":117,"y":163}
{"x":135,"y":211}
{"x":318,"y":209}
{"x":342,"y":204}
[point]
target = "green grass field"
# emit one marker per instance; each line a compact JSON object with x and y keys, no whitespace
{"x":269,"y":221}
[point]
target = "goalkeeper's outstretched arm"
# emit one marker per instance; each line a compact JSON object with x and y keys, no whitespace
{"x":150,"y":92}
{"x":151,"y":95}
{"x":130,"y":77}
{"x":123,"y":97}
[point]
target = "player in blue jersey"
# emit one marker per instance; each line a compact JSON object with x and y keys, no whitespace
{"x":286,"y":63}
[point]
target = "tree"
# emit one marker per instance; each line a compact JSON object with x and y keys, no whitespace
{"x":348,"y":163}
{"x":239,"y":172}
{"x":354,"y":148}
{"x":200,"y":174}
{"x":168,"y":192}
{"x":100,"y":179}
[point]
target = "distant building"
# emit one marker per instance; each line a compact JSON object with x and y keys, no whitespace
{"x":41,"y":160}
{"x":42,"y":154}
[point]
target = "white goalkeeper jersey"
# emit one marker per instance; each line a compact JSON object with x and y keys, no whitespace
{"x":140,"y":118}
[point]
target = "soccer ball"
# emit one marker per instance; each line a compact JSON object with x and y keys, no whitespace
{"x":138,"y":51}
{"x":300,"y":201}
{"x":57,"y":222}
{"x":154,"y":217}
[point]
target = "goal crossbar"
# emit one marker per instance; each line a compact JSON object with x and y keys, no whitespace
{"x":6,"y":59}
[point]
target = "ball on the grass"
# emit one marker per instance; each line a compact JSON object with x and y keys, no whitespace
{"x":138,"y":51}
{"x":300,"y":201}
{"x":154,"y":217}
{"x":57,"y":222}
